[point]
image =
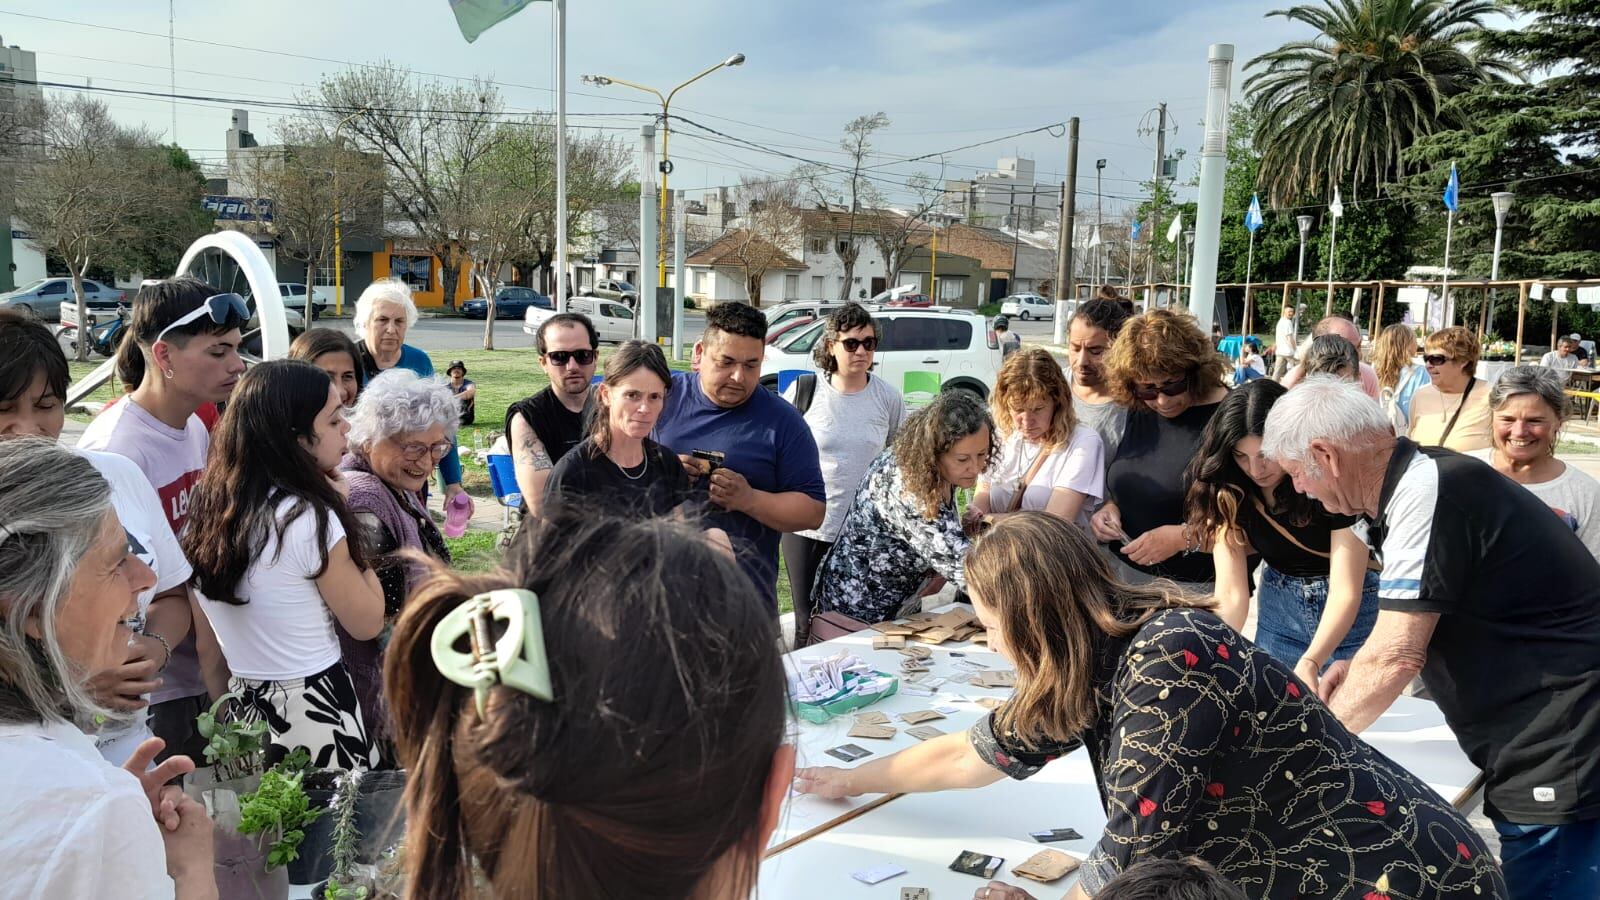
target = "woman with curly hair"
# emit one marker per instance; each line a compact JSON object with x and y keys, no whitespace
{"x":1048,"y":461}
{"x":1166,"y":372}
{"x":1318,"y":598}
{"x":904,"y":520}
{"x":1453,"y":411}
{"x":1398,"y":377}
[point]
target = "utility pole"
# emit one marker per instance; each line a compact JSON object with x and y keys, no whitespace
{"x":1155,"y":206}
{"x":1213,"y":166}
{"x":680,"y":278}
{"x":646,"y":322}
{"x":1066,"y":283}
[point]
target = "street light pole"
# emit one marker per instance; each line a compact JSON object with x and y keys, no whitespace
{"x":338,"y":236}
{"x":1188,"y":264}
{"x":1099,"y":219}
{"x":1502,"y":205}
{"x":666,"y":129}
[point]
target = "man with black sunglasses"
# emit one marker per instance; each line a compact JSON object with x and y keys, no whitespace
{"x":542,"y":428}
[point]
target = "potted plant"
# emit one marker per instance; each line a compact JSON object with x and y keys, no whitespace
{"x":235,"y":754}
{"x":279,"y":809}
{"x":363,"y":825}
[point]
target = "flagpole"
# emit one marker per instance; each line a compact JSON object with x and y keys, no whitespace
{"x":1244,"y":316}
{"x":561,"y":154}
{"x":1444,"y":289}
{"x":1333,"y":244}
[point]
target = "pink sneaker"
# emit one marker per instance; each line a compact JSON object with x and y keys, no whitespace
{"x":457,"y":513}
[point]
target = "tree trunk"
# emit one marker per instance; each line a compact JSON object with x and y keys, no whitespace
{"x":449,"y":274}
{"x":488,"y":320}
{"x":752,"y":287}
{"x":84,"y":336}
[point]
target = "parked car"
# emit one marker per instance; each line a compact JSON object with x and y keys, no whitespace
{"x":611,"y":289}
{"x":509,"y":303}
{"x":910,"y":301}
{"x":958,"y":345}
{"x":45,"y":296}
{"x":1027,"y":306}
{"x":776,"y":334}
{"x":613,"y":321}
{"x":784,"y":313}
{"x":294,"y":296}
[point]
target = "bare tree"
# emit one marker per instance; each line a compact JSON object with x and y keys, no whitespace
{"x":433,"y":137}
{"x":597,"y":169}
{"x":508,"y":190}
{"x":97,"y":188}
{"x":772,"y":226}
{"x":900,"y":236}
{"x":849,"y":187}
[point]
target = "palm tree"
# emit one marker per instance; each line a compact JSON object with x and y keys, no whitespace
{"x":1340,"y":108}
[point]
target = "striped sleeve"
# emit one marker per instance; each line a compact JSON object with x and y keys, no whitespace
{"x":1409,"y":526}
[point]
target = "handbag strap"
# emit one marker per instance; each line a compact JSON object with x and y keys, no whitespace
{"x":1472,"y":382}
{"x":1372,"y":564}
{"x":1027,"y":478}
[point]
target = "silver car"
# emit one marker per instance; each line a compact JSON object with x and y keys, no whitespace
{"x":46,"y":295}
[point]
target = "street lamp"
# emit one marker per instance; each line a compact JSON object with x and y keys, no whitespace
{"x":1502,"y":205}
{"x":666,"y":164}
{"x":1183,"y":267}
{"x":1305,"y":229}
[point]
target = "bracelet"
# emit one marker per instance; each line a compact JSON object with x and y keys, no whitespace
{"x":1190,"y":542}
{"x":1313,"y":660}
{"x":164,"y":646}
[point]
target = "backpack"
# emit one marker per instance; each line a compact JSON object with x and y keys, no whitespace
{"x":805,"y":388}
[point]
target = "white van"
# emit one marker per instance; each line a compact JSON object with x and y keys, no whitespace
{"x":612,"y":319}
{"x":957,"y":345}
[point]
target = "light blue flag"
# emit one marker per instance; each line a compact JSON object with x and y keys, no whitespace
{"x":1252,"y":217}
{"x":477,"y":16}
{"x":1135,"y":230}
{"x":1452,"y":190}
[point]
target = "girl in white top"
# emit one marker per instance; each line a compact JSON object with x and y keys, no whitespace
{"x":276,"y":558}
{"x":1527,"y":408}
{"x":69,"y":587}
{"x":1057,"y":464}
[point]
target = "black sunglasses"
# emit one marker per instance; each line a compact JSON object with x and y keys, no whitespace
{"x":1168,"y":388}
{"x":851,"y":345}
{"x":561,"y":357}
{"x":220,"y":307}
{"x":1436,"y":359}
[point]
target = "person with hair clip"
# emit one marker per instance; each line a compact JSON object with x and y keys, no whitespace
{"x":276,"y":564}
{"x":1318,"y":596}
{"x":1201,"y":743}
{"x":618,"y":469}
{"x":1048,"y":460}
{"x":182,"y":352}
{"x":70,"y":579}
{"x":335,"y":353}
{"x":590,"y":750}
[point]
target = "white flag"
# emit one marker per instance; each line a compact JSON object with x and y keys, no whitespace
{"x":1336,"y":208}
{"x":1175,"y":229}
{"x":1094,"y":239}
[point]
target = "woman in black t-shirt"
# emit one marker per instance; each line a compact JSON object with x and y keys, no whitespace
{"x":618,"y":469}
{"x":1171,"y":379}
{"x":1318,"y":598}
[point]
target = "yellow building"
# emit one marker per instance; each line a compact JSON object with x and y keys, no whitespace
{"x":415,"y":264}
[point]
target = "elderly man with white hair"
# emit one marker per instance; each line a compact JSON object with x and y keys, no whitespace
{"x":1495,"y":602}
{"x":384,"y":313}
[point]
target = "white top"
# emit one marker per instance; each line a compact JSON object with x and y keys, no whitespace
{"x":1079,"y":466}
{"x":142,"y":518}
{"x":78,"y":826}
{"x":1574,"y":495}
{"x":1554,"y":360}
{"x":850,"y":430}
{"x":1285,"y":339}
{"x":285,"y":630}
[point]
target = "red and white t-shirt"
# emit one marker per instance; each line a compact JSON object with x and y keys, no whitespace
{"x":172,"y":458}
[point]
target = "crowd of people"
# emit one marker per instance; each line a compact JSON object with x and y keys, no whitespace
{"x":605,"y":714}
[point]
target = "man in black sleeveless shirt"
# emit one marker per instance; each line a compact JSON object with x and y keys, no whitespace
{"x":542,"y":428}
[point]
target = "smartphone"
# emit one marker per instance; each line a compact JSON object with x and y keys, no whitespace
{"x":713,"y":457}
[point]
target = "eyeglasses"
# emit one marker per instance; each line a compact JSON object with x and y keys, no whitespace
{"x":851,"y":345}
{"x":561,"y":357}
{"x":1435,"y":359}
{"x":415,"y":451}
{"x":1171,"y":388}
{"x":220,"y":307}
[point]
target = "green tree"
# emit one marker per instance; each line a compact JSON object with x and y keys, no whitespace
{"x":1340,"y":108}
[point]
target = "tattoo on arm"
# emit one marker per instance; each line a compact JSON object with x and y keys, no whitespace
{"x":531,"y":452}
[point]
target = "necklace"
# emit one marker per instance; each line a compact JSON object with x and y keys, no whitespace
{"x":643,"y":468}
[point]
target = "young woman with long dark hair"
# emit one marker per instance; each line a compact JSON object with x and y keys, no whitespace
{"x":335,"y":353}
{"x":1318,"y":597}
{"x":276,"y":562}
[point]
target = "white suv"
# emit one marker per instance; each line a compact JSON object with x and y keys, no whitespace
{"x":1027,"y":306}
{"x":958,"y":345}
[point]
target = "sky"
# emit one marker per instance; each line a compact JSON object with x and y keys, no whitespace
{"x":947,"y":73}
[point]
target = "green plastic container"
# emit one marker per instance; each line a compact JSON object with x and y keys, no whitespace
{"x":820,"y":713}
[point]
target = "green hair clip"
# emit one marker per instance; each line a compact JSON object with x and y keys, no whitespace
{"x":516,"y":660}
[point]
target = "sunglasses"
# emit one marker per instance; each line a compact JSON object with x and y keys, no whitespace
{"x":220,"y":307}
{"x":1167,"y":388}
{"x":851,"y":345}
{"x":1435,"y":359}
{"x":561,"y":357}
{"x":414,"y":452}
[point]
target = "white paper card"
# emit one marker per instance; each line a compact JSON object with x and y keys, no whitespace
{"x":882,"y":872}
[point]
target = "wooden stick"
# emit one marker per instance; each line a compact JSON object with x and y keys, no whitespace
{"x":859,"y":811}
{"x":1522,"y":312}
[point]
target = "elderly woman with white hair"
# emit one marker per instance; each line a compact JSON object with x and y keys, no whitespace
{"x":1527,"y":407}
{"x":384,"y":313}
{"x":402,"y":424}
{"x":1493,"y":600}
{"x":70,"y":579}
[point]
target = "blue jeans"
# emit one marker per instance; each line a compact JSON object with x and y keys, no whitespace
{"x":1289,"y":609}
{"x":1551,"y":862}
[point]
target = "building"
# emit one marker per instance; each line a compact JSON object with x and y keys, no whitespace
{"x":1008,"y":197}
{"x":718,"y":272}
{"x":21,"y":262}
{"x":1002,"y":254}
{"x":963,"y":282}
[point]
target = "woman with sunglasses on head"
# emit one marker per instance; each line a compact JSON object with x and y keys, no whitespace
{"x":402,"y":425}
{"x":1318,"y":597}
{"x":853,"y":415}
{"x":181,"y":352}
{"x":335,"y":353}
{"x":277,"y":561}
{"x":1453,"y":411}
{"x":1165,"y":370}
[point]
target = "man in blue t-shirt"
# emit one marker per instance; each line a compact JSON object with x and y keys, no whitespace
{"x":768,"y":480}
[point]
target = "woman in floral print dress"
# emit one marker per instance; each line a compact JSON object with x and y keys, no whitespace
{"x":904,"y":521}
{"x":1201,"y":743}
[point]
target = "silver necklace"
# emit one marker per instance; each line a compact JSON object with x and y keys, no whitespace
{"x":643,"y":468}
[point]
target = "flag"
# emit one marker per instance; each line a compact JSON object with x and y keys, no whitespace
{"x":1452,"y":190}
{"x":474,"y":17}
{"x":1336,"y":208}
{"x":1135,"y":230}
{"x":1094,"y":239}
{"x":1175,"y":229}
{"x":1252,"y":217}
